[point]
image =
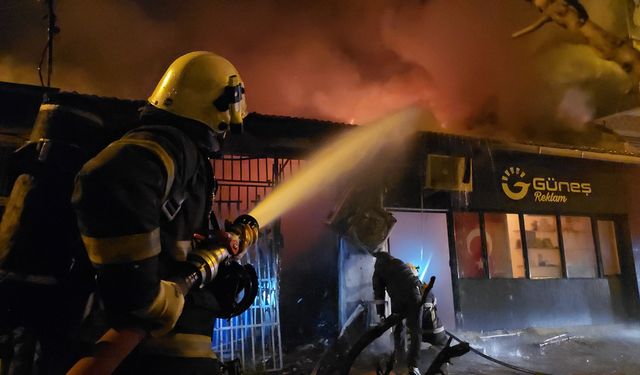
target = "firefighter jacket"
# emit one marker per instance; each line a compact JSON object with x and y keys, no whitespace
{"x":395,"y":276}
{"x":138,"y":203}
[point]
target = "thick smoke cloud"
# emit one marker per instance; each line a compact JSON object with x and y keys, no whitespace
{"x":349,"y":61}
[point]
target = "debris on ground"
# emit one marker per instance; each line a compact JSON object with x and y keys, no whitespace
{"x":557,"y":339}
{"x":585,"y":350}
{"x":497,"y":335}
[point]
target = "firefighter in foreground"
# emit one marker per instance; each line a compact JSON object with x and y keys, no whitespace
{"x":139,"y":203}
{"x":404,"y":288}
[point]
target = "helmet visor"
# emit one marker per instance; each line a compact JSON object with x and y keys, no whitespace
{"x":232,"y":100}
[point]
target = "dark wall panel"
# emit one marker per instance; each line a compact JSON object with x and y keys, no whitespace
{"x":633,"y":180}
{"x":508,"y":303}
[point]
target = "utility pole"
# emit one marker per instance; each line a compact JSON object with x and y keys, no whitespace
{"x":53,"y":29}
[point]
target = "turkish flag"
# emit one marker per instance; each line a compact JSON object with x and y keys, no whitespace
{"x":468,"y":245}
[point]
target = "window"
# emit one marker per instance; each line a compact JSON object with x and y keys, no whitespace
{"x":505,"y":258}
{"x":503,"y":245}
{"x":543,"y":252}
{"x":579,"y":248}
{"x":468,"y":244}
{"x":608,"y":247}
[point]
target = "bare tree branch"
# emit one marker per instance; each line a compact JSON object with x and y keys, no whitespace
{"x":571,"y":15}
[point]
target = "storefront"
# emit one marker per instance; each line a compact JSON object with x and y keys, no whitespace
{"x":518,"y":235}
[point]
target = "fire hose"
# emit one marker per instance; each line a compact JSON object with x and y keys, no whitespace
{"x":443,"y":356}
{"x":376,"y":332}
{"x":204,"y":265}
{"x":505,"y":364}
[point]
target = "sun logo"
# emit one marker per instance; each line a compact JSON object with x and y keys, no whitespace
{"x":521,"y":188}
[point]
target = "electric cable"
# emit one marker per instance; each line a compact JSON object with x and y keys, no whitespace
{"x":505,"y":364}
{"x":52,"y":30}
{"x":42,"y":55}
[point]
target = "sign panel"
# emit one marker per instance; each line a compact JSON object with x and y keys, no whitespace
{"x":517,"y":185}
{"x":535,"y":183}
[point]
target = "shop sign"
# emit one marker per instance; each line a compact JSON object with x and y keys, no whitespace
{"x":517,"y":184}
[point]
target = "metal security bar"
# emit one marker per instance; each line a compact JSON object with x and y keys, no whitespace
{"x":253,"y":337}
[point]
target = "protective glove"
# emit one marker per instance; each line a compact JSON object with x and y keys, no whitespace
{"x":165,"y":309}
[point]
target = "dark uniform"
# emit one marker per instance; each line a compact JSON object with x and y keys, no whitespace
{"x":432,"y":329}
{"x":404,"y":289}
{"x":138,"y":203}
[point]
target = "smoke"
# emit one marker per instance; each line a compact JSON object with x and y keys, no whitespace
{"x":575,"y":108}
{"x":348,"y":61}
{"x":13,"y":71}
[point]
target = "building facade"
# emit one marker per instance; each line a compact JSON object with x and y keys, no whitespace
{"x":517,"y":235}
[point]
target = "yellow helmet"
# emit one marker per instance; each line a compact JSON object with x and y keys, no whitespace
{"x":205,"y":87}
{"x":413,"y":268}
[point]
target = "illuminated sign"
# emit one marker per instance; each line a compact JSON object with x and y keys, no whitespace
{"x":545,"y":189}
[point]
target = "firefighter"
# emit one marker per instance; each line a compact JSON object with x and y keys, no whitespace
{"x":404,"y":289}
{"x":139,"y":202}
{"x":432,"y":329}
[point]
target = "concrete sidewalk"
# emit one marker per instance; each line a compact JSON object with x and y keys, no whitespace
{"x":582,"y":350}
{"x":610,"y":349}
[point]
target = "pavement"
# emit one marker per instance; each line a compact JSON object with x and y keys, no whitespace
{"x":579,"y":350}
{"x":609,"y":349}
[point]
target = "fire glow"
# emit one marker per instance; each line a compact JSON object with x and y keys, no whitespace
{"x":456,"y":56}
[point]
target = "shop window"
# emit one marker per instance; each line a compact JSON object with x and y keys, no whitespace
{"x":579,"y":248}
{"x":468,"y":244}
{"x":504,"y":246}
{"x":608,"y":247}
{"x":541,"y":233}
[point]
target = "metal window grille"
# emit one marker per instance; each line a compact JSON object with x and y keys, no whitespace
{"x":254,"y":336}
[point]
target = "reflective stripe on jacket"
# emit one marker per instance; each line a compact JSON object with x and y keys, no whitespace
{"x":119,"y":198}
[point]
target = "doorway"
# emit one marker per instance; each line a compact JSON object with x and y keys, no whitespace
{"x":421,"y":238}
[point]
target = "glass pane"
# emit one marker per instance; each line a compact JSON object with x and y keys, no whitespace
{"x":541,"y":234}
{"x":608,"y":247}
{"x":503,"y":245}
{"x":468,"y":244}
{"x":579,"y":248}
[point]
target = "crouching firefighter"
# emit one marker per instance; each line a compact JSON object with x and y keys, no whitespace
{"x":139,"y":203}
{"x":405,"y":290}
{"x":433,"y":331}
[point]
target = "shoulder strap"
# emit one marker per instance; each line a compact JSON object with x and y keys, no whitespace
{"x":178,"y":191}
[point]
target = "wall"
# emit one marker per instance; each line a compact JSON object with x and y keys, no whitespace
{"x":633,"y":259}
{"x":517,"y":303}
{"x":356,"y":271}
{"x":309,"y":274}
{"x":355,"y":285}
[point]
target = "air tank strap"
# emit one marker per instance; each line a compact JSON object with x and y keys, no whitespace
{"x":64,"y":156}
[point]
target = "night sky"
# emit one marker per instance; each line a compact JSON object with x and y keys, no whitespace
{"x":349,"y":61}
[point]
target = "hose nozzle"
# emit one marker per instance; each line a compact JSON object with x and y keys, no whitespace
{"x":246,"y":228}
{"x":223,"y":246}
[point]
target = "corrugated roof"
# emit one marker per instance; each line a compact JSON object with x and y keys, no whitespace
{"x":285,"y":136}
